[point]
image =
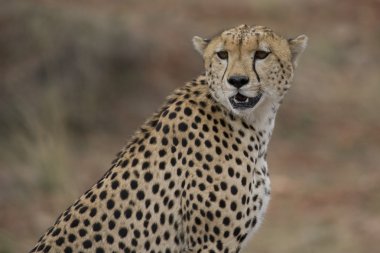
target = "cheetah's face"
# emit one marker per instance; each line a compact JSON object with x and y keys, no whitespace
{"x":247,"y":65}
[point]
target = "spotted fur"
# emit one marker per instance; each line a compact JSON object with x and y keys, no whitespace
{"x":194,"y":177}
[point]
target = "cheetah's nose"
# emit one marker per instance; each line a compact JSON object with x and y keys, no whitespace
{"x":238,"y":81}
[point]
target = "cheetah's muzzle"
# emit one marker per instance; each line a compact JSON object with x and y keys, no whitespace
{"x":240,"y":101}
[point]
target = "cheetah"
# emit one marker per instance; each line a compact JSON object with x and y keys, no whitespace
{"x":194,"y":177}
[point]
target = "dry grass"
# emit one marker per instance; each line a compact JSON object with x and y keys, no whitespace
{"x":78,"y":77}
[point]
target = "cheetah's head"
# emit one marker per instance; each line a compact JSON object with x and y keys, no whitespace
{"x":248,"y":65}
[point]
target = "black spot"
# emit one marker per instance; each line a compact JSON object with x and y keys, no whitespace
{"x":116,"y":214}
{"x":110,"y":239}
{"x":121,"y":245}
{"x":209,"y":158}
{"x":124,"y":163}
{"x":136,"y":233}
{"x":237,"y":231}
{"x":153,"y":140}
{"x":68,"y":250}
{"x":145,"y":165}
{"x":182,"y":127}
{"x":135,"y":162}
{"x":110,"y":204}
{"x":254,"y":221}
{"x":173,"y":161}
{"x":166,"y":129}
{"x":226,"y":221}
{"x":123,"y":232}
{"x":98,"y":237}
{"x":184,"y":142}
{"x":147,"y":154}
{"x":166,"y":235}
{"x":83,"y":209}
{"x":154,"y":227}
{"x":111,"y":224}
{"x":218,"y":169}
{"x":234,"y":190}
{"x":56,"y":232}
{"x":126,"y":175}
{"x":158,"y":126}
{"x":139,"y":215}
{"x":147,"y":245}
{"x":128,"y":213}
{"x":161,"y":165}
{"x":140,"y":195}
{"x":233,"y":206}
{"x":86,"y":222}
{"x":231,"y":172}
{"x":148,"y":177}
{"x":162,"y":218}
{"x":142,"y":147}
{"x":212,"y":197}
{"x":210,"y":216}
{"x":124,"y":194}
{"x":216,"y":230}
{"x":82,"y":232}
{"x":47,"y":248}
{"x":99,"y":250}
{"x":103,"y":195}
{"x":223,"y":186}
{"x":164,"y":141}
{"x":93,"y":212}
{"x":155,"y":188}
{"x":187,"y":111}
{"x":96,"y":227}
{"x":60,"y":241}
{"x":87,"y":244}
{"x":74,"y":223}
{"x":162,"y":152}
{"x":134,"y":184}
{"x":172,"y":115}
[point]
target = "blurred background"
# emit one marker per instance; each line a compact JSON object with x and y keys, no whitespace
{"x":78,"y":77}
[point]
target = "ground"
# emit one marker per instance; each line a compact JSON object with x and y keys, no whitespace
{"x":74,"y":88}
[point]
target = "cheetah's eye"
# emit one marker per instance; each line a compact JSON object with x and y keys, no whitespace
{"x":259,"y":55}
{"x":222,"y":55}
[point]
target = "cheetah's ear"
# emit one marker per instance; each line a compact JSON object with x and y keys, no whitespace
{"x":297,"y":46}
{"x":200,"y":44}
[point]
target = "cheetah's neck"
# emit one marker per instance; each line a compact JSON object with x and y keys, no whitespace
{"x":263,"y":117}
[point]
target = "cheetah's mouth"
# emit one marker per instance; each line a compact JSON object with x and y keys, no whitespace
{"x":240,"y":101}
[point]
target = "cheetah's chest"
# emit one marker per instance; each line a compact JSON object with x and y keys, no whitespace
{"x":248,"y":171}
{"x":254,"y":206}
